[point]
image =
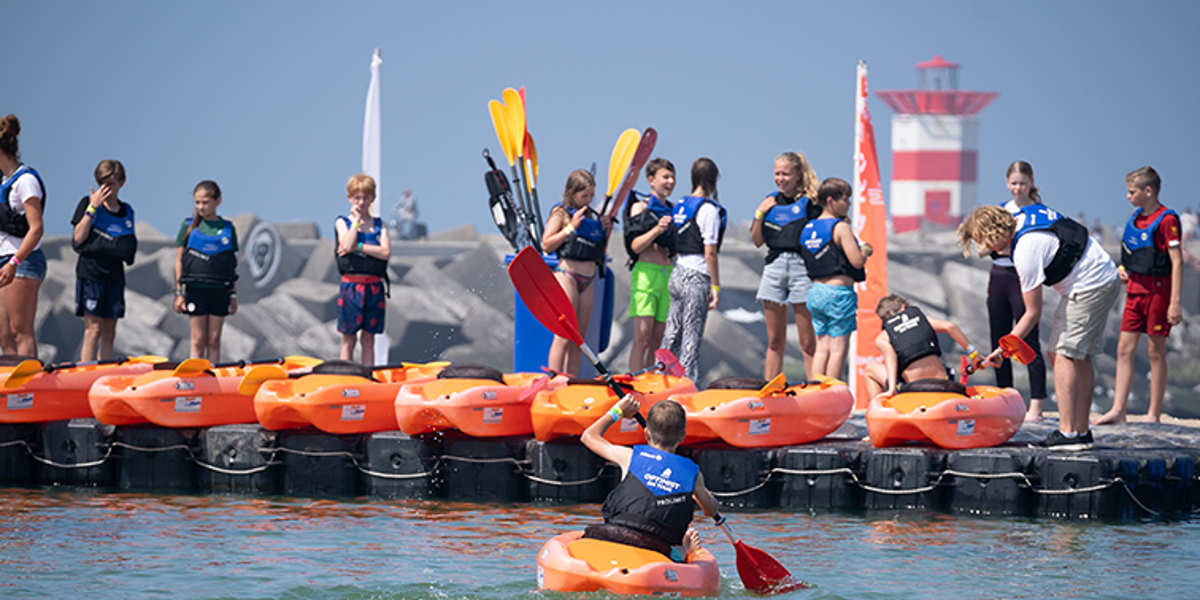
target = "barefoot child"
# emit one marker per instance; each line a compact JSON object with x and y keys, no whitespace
{"x":910,"y":347}
{"x":1152,"y":270}
{"x":835,"y":262}
{"x":650,"y":241}
{"x":206,"y":271}
{"x":653,"y":505}
{"x":363,"y":249}
{"x":104,"y":238}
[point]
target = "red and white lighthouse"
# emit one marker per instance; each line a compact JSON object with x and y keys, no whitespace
{"x":935,"y":140}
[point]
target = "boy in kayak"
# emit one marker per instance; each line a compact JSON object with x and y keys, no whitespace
{"x":653,"y":505}
{"x":910,"y":347}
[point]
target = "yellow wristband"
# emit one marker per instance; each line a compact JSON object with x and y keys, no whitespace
{"x":569,"y":229}
{"x":716,"y":288}
{"x":91,"y":210}
{"x":758,"y":214}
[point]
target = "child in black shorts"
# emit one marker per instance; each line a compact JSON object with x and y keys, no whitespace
{"x":105,"y":241}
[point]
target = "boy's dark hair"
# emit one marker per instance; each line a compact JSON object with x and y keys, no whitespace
{"x":1143,"y":177}
{"x":654,"y":165}
{"x":668,"y":422}
{"x":890,"y":305}
{"x":833,"y":188}
{"x":110,"y":168}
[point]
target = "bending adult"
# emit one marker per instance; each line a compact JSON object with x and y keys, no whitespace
{"x":22,"y":262}
{"x":777,"y":223}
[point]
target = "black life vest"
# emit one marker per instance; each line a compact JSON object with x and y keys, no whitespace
{"x":358,"y":263}
{"x":210,"y":258}
{"x":782,"y":225}
{"x":1072,"y":238}
{"x":822,"y":256}
{"x":911,"y":336}
{"x":1138,"y":254}
{"x":588,"y":240}
{"x":655,"y":497}
{"x":637,"y":225}
{"x":13,"y":222}
{"x":110,"y":236}
{"x":687,"y":234}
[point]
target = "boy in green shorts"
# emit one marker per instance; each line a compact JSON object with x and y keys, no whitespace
{"x":649,"y":239}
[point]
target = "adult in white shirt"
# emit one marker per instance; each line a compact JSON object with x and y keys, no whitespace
{"x":22,"y":262}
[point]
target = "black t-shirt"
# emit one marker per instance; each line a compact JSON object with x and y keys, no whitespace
{"x":98,"y":268}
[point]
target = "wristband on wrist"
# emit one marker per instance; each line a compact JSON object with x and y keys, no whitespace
{"x":971,"y":350}
{"x":569,"y":229}
{"x":758,"y":214}
{"x":91,"y":210}
{"x":616,"y":414}
{"x":716,"y":288}
{"x":16,"y":262}
{"x":360,"y":245}
{"x":232,"y":295}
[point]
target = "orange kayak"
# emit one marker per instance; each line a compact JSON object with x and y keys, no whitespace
{"x":570,"y":409}
{"x":478,"y":404}
{"x":767,"y":416}
{"x":338,"y":402}
{"x":986,"y":416}
{"x":567,"y":563}
{"x":37,"y":394}
{"x":194,"y":393}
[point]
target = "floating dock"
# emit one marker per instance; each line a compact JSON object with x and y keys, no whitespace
{"x":1137,"y":471}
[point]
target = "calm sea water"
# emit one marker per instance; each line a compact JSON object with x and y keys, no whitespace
{"x":79,"y":544}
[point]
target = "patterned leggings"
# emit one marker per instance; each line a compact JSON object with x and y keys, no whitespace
{"x":690,"y":293}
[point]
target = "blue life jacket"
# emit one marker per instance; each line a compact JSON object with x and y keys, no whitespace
{"x":589,"y":240}
{"x":822,"y":256}
{"x":637,"y":225}
{"x":911,"y":336}
{"x":110,"y":236}
{"x":13,"y":222}
{"x":1072,"y":238}
{"x":210,"y":258}
{"x":655,"y":497}
{"x":1138,"y":254}
{"x":358,"y":263}
{"x":687,"y":234}
{"x":782,"y":225}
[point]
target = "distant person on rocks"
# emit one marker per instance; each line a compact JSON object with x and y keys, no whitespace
{"x":105,"y":240}
{"x":363,"y":250}
{"x":777,"y":223}
{"x":579,"y":236}
{"x":22,"y":262}
{"x":1188,"y":222}
{"x":206,"y":271}
{"x":695,"y":283}
{"x":650,"y":243}
{"x":405,"y":214}
{"x":1005,"y":303}
{"x":835,"y":261}
{"x":1050,"y":249}
{"x":1152,"y":270}
{"x":910,"y":349}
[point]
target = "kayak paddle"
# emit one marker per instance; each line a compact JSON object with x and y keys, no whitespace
{"x":531,"y":177}
{"x":760,"y":573}
{"x":547,"y":301}
{"x":618,"y":163}
{"x":1011,"y":346}
{"x":640,"y":156}
{"x":255,"y":377}
{"x":23,"y":372}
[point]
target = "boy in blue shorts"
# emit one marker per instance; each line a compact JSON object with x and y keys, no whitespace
{"x":835,"y":261}
{"x":363,"y":248}
{"x":650,"y":241}
{"x":104,"y":238}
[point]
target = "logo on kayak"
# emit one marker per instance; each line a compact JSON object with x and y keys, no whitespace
{"x":489,"y":395}
{"x":962,"y":408}
{"x":755,"y":404}
{"x":493,"y":414}
{"x":20,"y":401}
{"x":966,"y":427}
{"x":187,"y":404}
{"x":185,"y":385}
{"x":670,"y":575}
{"x":760,"y":426}
{"x":354,"y":412}
{"x":350,"y":393}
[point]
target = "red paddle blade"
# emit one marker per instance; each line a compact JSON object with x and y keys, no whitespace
{"x":645,"y":147}
{"x":964,"y":369}
{"x":542,"y":294}
{"x":538,"y":385}
{"x":762,"y":574}
{"x":1017,"y":349}
{"x":671,"y":364}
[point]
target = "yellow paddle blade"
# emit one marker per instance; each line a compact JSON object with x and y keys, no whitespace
{"x":299,"y":360}
{"x":191,"y":367}
{"x":500,"y":122}
{"x":531,"y":164}
{"x":437,"y":363}
{"x":514,"y":106}
{"x":622,"y":155}
{"x":147,"y":358}
{"x":254,"y":378}
{"x":776,"y":385}
{"x":23,"y":372}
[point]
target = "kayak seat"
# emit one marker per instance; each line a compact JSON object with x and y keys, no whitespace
{"x":471,"y":372}
{"x":738,"y":383}
{"x":944,"y":386}
{"x":627,"y":537}
{"x":166,"y":366}
{"x":343,"y":367}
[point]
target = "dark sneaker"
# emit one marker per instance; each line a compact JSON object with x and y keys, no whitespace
{"x":1057,"y":441}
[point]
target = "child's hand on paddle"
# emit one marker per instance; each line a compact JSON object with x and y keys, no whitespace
{"x":629,"y":406}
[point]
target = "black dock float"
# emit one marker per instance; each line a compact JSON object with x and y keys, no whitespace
{"x":818,"y":477}
{"x":989,"y":481}
{"x":239,"y":458}
{"x":76,"y":452}
{"x":737,"y":477}
{"x":400,"y":466}
{"x":564,"y":471}
{"x":903,"y":478}
{"x":155,"y":458}
{"x":16,"y":459}
{"x":484,"y":469}
{"x":318,"y":464}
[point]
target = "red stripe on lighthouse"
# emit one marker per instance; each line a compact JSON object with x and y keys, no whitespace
{"x":934,"y":165}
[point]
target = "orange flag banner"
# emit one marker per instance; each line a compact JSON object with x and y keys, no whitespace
{"x":870,"y":226}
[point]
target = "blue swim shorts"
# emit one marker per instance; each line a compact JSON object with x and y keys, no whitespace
{"x":834,"y":309}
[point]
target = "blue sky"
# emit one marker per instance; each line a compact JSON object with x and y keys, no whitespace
{"x":267,"y":97}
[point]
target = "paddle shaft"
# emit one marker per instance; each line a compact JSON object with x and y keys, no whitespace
{"x":608,"y":378}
